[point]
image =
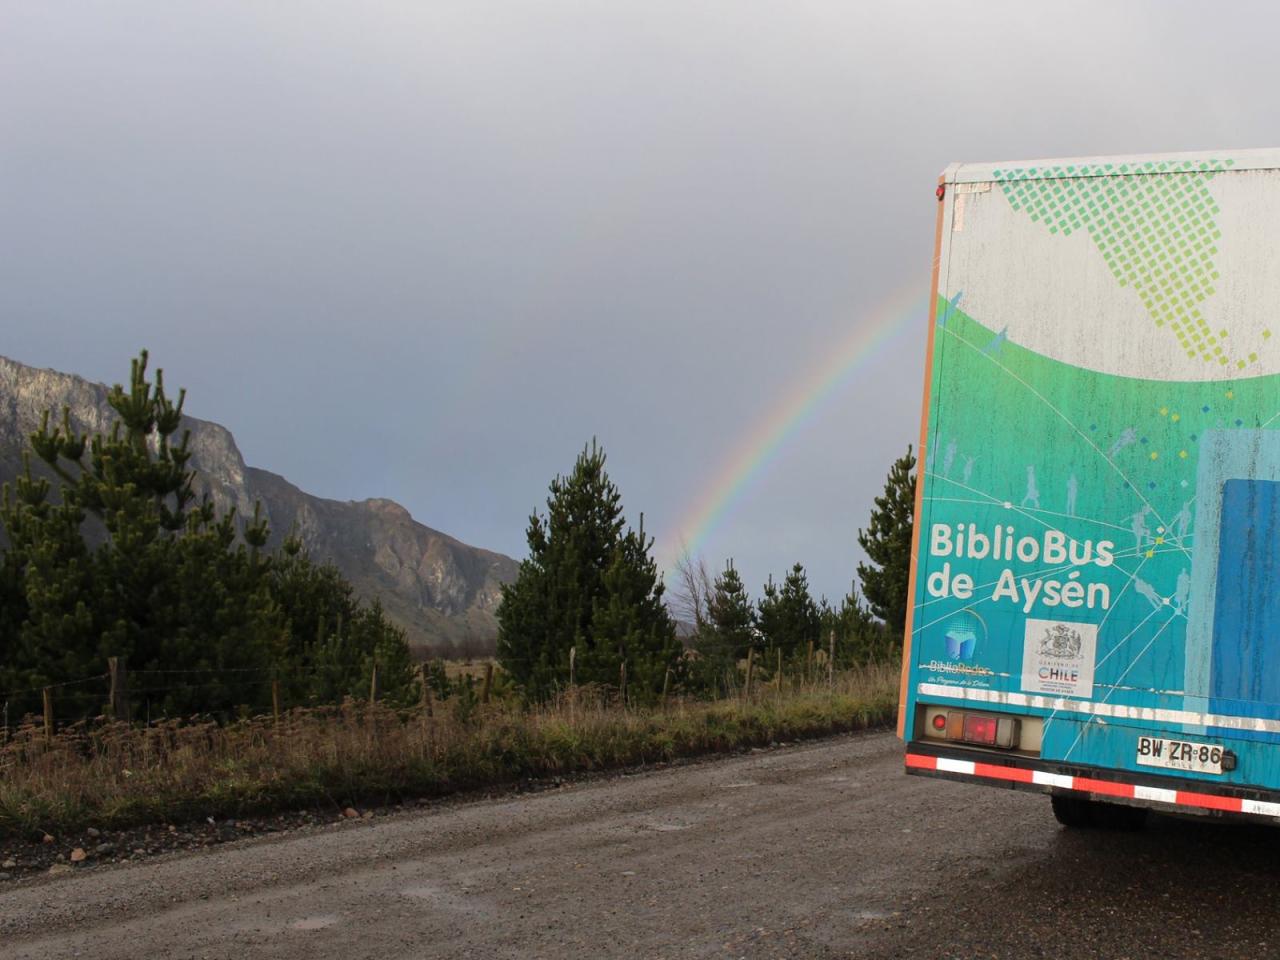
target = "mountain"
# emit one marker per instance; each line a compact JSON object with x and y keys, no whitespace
{"x":442,"y":591}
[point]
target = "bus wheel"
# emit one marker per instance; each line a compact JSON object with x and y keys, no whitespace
{"x":1073,"y":812}
{"x":1117,"y":816}
{"x":1081,"y":812}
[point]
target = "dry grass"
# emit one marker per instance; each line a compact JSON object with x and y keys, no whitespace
{"x":116,"y":775}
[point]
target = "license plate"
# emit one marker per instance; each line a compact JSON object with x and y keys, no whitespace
{"x":1180,"y":755}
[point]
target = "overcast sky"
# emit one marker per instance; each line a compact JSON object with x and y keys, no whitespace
{"x":425,"y":250}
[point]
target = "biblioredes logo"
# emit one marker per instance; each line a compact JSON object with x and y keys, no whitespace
{"x":962,"y":635}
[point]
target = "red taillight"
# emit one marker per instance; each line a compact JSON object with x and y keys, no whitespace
{"x":980,"y":729}
{"x":961,"y":726}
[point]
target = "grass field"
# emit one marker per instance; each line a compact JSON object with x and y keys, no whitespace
{"x":116,"y":775}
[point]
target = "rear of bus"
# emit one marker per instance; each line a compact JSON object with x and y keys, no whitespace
{"x":1096,"y":567}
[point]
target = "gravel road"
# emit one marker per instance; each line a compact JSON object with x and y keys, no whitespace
{"x":821,"y":850}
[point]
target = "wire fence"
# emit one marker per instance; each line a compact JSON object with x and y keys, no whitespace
{"x":158,"y":694}
{"x":151,"y":694}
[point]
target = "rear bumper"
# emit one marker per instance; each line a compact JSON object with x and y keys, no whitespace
{"x":1170,"y":794}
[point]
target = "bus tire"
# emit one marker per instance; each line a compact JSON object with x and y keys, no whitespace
{"x":1118,"y":816}
{"x":1075,"y":813}
{"x":1079,"y":813}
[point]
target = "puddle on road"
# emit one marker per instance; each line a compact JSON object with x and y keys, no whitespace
{"x":314,"y":923}
{"x":738,"y":784}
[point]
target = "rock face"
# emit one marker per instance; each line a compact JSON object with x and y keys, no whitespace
{"x":442,"y":591}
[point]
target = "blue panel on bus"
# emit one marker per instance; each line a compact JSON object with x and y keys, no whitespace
{"x":1246,"y":620}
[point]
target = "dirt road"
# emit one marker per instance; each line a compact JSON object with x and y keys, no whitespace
{"x":822,"y":850}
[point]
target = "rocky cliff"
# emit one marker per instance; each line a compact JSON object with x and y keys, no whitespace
{"x":442,"y":591}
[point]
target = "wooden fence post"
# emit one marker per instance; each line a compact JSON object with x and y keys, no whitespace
{"x":831,"y":660}
{"x":373,"y":684}
{"x":622,"y":681}
{"x":666,"y":686}
{"x":778,"y":679}
{"x":808,"y":665}
{"x":47,"y":696}
{"x":751,"y":662}
{"x":275,"y":701}
{"x":488,"y":682}
{"x":116,"y":668}
{"x":573,"y":683}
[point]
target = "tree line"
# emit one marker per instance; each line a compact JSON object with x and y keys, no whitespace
{"x":109,"y":552}
{"x":589,"y":604}
{"x":123,"y":559}
{"x":784,"y":629}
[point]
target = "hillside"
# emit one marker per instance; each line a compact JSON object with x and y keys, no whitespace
{"x":442,"y":591}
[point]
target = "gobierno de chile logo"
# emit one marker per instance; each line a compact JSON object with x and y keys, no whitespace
{"x":1061,"y":641}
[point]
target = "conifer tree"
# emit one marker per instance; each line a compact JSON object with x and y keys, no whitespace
{"x":47,"y":578}
{"x":334,"y":640}
{"x":730,"y":612}
{"x":769,"y":619}
{"x":859,"y":636}
{"x":887,"y":543}
{"x":789,"y":618}
{"x":584,"y":567}
{"x":631,"y":622}
{"x":729,"y":630}
{"x":125,"y":561}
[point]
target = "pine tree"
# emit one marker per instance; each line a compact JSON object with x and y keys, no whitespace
{"x":730,"y":613}
{"x":802,"y":612}
{"x":47,"y":577}
{"x":729,"y":632}
{"x":859,"y":636}
{"x":887,"y":543}
{"x":770,"y":623}
{"x":587,"y":584}
{"x":789,"y":618}
{"x":334,"y":639}
{"x":212,"y":612}
{"x":631,"y":622}
{"x":126,"y":562}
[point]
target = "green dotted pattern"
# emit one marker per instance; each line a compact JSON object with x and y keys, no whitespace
{"x":1154,"y":225}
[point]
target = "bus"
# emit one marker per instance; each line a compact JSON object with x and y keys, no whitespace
{"x":1095,"y":586}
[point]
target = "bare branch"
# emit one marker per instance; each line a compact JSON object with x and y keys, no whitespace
{"x":693,"y":589}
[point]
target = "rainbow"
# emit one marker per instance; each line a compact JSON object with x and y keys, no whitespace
{"x":760,"y":446}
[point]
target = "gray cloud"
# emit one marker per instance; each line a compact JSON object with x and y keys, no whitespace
{"x":427,"y":250}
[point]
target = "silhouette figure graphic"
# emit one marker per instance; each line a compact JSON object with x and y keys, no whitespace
{"x":1033,"y":492}
{"x":1128,"y":437}
{"x":1138,"y":524}
{"x":1182,"y":521}
{"x":1148,"y":591}
{"x":1182,"y":591}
